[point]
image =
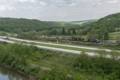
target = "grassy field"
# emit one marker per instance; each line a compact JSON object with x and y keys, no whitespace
{"x":68,"y":47}
{"x":115,"y":35}
{"x":101,"y":46}
{"x":52,"y":65}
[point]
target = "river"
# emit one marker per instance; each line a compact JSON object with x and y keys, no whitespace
{"x":8,"y":74}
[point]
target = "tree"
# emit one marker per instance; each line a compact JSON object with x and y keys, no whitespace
{"x":69,"y":32}
{"x":103,"y":34}
{"x":53,"y":32}
{"x":73,"y":31}
{"x":106,"y":35}
{"x":63,"y":31}
{"x":118,"y":40}
{"x":92,"y":34}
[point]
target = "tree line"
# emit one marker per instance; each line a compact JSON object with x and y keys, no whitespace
{"x":99,"y":29}
{"x":51,"y":65}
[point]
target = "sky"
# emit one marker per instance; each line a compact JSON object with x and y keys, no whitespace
{"x":58,"y":10}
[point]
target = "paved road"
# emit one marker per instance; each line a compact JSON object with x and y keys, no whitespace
{"x":52,"y":48}
{"x":59,"y":49}
{"x":8,"y":41}
{"x":55,"y":49}
{"x":82,"y":47}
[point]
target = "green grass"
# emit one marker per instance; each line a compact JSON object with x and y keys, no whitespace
{"x":87,"y":44}
{"x":58,"y":62}
{"x":78,"y":49}
{"x":115,"y":35}
{"x":70,"y":48}
{"x":52,"y":65}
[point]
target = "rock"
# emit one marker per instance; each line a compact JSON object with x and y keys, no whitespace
{"x":69,"y":77}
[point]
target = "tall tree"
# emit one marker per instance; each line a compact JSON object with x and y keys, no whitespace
{"x":63,"y":31}
{"x":73,"y":31}
{"x":69,"y":32}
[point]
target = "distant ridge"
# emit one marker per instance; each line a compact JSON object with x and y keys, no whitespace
{"x":85,"y":21}
{"x":110,"y":23}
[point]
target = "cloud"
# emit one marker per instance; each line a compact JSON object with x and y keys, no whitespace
{"x":43,"y":3}
{"x":113,"y":1}
{"x":58,"y":9}
{"x":27,"y":0}
{"x":5,"y":7}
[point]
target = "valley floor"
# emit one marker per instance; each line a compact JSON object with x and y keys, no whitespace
{"x":50,"y":61}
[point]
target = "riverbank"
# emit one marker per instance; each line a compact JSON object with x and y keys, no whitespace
{"x":10,"y":62}
{"x":51,"y":65}
{"x":8,"y":73}
{"x":11,"y":69}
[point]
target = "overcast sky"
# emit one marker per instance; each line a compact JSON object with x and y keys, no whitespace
{"x":58,"y":10}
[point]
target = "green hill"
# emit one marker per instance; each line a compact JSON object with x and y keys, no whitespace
{"x":101,"y":29}
{"x":111,"y":22}
{"x":104,"y":26}
{"x":20,"y":25}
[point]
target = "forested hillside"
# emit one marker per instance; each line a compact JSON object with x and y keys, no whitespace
{"x":15,"y":25}
{"x":100,"y":29}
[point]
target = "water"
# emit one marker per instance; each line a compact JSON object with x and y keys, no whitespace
{"x":8,"y":74}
